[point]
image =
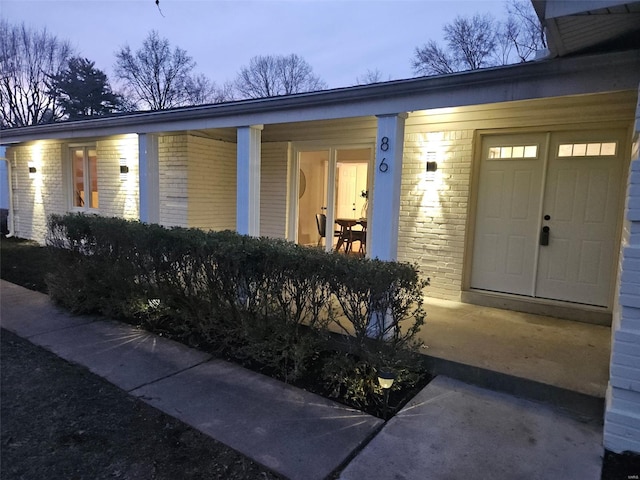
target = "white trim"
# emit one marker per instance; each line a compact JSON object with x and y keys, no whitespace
{"x":387,"y":181}
{"x":70,"y":172}
{"x":248,"y":180}
{"x":149,"y":178}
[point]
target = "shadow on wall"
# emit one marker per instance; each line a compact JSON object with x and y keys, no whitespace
{"x":4,"y":214}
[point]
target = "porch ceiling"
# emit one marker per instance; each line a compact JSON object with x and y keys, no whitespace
{"x":574,"y":27}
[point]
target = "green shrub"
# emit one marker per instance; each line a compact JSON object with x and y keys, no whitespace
{"x":260,"y":300}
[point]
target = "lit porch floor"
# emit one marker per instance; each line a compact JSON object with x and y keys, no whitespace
{"x":544,"y":358}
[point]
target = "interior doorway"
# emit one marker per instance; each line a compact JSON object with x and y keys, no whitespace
{"x":346,"y":169}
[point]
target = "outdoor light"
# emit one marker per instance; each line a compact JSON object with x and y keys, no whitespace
{"x":32,"y":170}
{"x":432,"y":166}
{"x":124,"y":170}
{"x":386,"y":379}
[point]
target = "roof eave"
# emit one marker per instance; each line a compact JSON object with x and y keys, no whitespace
{"x":473,"y":87}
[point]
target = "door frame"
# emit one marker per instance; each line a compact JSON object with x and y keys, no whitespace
{"x":294,"y":180}
{"x":562,"y":309}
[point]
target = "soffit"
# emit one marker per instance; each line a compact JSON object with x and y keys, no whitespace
{"x":574,"y":27}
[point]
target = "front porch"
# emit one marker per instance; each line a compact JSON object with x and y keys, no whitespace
{"x":561,"y":362}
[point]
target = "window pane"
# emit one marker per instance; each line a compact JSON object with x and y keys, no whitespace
{"x":593,"y":149}
{"x":518,"y":152}
{"x":494,"y":152}
{"x":608,"y":149}
{"x":579,"y":149}
{"x":78,"y":178}
{"x":565,"y":150}
{"x":506,"y":152}
{"x":93,"y":177}
{"x":530,"y":151}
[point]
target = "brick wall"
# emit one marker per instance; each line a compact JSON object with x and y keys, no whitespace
{"x":212,"y":184}
{"x":173,"y":166}
{"x":118,"y":194}
{"x":47,"y":192}
{"x":273,"y":194}
{"x":434,"y":207}
{"x":38,"y":197}
{"x":622,"y":416}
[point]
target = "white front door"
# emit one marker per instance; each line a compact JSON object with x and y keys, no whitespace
{"x":547,"y":215}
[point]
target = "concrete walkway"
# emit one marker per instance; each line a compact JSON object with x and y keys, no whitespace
{"x":450,"y":430}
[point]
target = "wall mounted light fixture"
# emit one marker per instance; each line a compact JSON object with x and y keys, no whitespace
{"x":32,"y":170}
{"x":432,"y":166}
{"x":124,"y":170}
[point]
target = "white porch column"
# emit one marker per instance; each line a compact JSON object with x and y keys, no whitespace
{"x":383,"y":225}
{"x":149,"y":178}
{"x":248,"y":180}
{"x":622,"y":415}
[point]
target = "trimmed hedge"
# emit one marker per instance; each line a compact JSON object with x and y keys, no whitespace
{"x":259,"y":299}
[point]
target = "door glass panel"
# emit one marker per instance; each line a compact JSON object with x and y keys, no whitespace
{"x":93,"y":177}
{"x":312,"y":197}
{"x":78,"y":178}
{"x":351,"y":183}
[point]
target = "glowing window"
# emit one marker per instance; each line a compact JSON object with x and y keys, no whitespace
{"x":513,"y":151}
{"x":85,"y":178}
{"x":594,"y":149}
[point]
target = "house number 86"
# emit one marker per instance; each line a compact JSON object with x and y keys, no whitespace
{"x":384,"y":146}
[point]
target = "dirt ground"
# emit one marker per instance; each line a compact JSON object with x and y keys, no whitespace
{"x":59,"y":421}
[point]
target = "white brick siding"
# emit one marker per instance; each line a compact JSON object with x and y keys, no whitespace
{"x":118,"y":194}
{"x":433,"y":208}
{"x":212,"y":184}
{"x":274,"y":183}
{"x":622,"y":417}
{"x":34,"y":199}
{"x":173,"y":160}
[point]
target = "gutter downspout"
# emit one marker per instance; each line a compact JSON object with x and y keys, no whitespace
{"x":10,"y":223}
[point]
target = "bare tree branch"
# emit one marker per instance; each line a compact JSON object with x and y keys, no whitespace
{"x":28,"y":59}
{"x":158,"y":78}
{"x":270,"y":76}
{"x":480,"y":41}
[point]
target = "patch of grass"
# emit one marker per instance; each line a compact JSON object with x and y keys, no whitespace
{"x":24,"y":263}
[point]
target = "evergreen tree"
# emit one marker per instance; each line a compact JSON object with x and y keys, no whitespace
{"x":84,"y":90}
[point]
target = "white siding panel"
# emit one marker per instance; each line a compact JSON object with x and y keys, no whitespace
{"x":622,"y":415}
{"x":212,"y":184}
{"x":173,"y":166}
{"x":118,"y":194}
{"x":34,"y":199}
{"x":37,"y":198}
{"x":273,"y":189}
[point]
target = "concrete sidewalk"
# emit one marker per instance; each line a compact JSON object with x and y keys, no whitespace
{"x":450,"y":430}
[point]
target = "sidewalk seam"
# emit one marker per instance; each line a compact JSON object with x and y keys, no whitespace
{"x":169,"y":375}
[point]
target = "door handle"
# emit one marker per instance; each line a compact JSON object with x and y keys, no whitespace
{"x":544,"y":236}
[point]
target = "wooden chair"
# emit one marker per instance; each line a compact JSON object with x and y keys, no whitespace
{"x":321,"y":223}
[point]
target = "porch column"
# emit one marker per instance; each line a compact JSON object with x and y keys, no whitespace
{"x":248,"y":180}
{"x":149,"y":178}
{"x":622,"y":415}
{"x":383,"y":225}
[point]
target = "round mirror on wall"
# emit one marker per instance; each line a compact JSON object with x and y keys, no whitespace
{"x":303,"y":184}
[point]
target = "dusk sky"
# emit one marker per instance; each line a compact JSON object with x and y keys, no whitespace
{"x":341,"y":40}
